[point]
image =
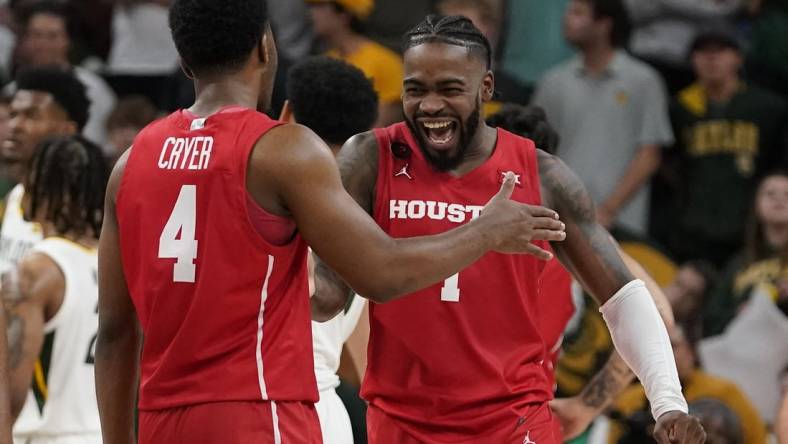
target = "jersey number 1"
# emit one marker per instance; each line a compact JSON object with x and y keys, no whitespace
{"x":182,"y":248}
{"x":450,"y":292}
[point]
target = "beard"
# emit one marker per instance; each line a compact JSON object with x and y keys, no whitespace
{"x":447,"y":161}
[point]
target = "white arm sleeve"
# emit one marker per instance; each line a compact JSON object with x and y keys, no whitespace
{"x":641,"y":339}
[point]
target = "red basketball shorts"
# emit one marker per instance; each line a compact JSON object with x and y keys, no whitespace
{"x":538,"y":426}
{"x":232,"y":423}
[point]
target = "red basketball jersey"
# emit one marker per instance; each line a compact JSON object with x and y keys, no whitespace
{"x":225,"y":314}
{"x":463,"y":358}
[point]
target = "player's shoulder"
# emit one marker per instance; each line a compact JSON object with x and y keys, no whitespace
{"x":38,"y":271}
{"x":36,"y":262}
{"x":547,"y":161}
{"x":291,"y":140}
{"x":365,"y":141}
{"x":116,"y":176}
{"x":558,"y":182}
{"x":555,"y":175}
{"x":359,"y":153}
{"x":288,"y":149}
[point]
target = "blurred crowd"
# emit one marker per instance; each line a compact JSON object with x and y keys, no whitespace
{"x":674,"y":113}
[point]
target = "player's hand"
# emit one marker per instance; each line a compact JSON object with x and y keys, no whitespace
{"x":679,"y":427}
{"x":574,"y":415}
{"x":515,"y":225}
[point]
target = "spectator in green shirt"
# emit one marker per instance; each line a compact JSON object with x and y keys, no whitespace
{"x":727,"y":134}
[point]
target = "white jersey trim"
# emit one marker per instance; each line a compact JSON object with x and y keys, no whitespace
{"x":275,"y":419}
{"x":258,"y":349}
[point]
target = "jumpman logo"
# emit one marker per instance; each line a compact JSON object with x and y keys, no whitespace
{"x":527,"y":439}
{"x":404,"y":172}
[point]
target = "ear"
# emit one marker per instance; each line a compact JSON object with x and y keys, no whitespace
{"x":186,"y":70}
{"x":287,"y":113}
{"x":488,"y":86}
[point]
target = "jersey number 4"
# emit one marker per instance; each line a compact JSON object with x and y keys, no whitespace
{"x":177,"y":240}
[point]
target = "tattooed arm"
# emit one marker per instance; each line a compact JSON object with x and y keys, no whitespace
{"x":34,"y":300}
{"x":589,"y":252}
{"x":578,"y":412}
{"x":637,"y":331}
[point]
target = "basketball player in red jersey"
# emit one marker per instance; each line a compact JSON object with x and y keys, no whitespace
{"x":461,"y":361}
{"x":202,"y":248}
{"x":556,"y":307}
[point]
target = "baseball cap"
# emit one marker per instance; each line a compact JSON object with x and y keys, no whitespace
{"x":361,"y":9}
{"x":717,"y":36}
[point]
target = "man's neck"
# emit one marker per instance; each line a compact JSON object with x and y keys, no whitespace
{"x":85,"y":239}
{"x":721,"y":92}
{"x":776,"y":235}
{"x":214,"y":94}
{"x":482,"y":147}
{"x":597,"y":57}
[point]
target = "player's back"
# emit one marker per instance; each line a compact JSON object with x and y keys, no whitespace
{"x":461,"y":358}
{"x":64,"y":385}
{"x":225,"y":313}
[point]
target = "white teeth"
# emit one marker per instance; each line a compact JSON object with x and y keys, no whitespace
{"x":436,"y":125}
{"x":441,"y":141}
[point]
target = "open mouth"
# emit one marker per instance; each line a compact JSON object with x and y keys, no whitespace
{"x":439,"y":132}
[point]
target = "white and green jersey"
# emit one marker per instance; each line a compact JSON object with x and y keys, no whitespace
{"x":17,"y":235}
{"x":61,"y":407}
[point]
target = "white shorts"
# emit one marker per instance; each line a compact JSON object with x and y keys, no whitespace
{"x":334,"y":420}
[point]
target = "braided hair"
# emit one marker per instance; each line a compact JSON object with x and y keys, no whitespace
{"x":451,"y":30}
{"x":67,"y":179}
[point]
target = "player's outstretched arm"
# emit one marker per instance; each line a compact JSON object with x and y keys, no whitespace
{"x":119,"y":337}
{"x":292,"y":172}
{"x":635,"y":325}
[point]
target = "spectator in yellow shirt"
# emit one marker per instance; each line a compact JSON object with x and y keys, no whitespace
{"x":339,"y":23}
{"x":696,"y":385}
